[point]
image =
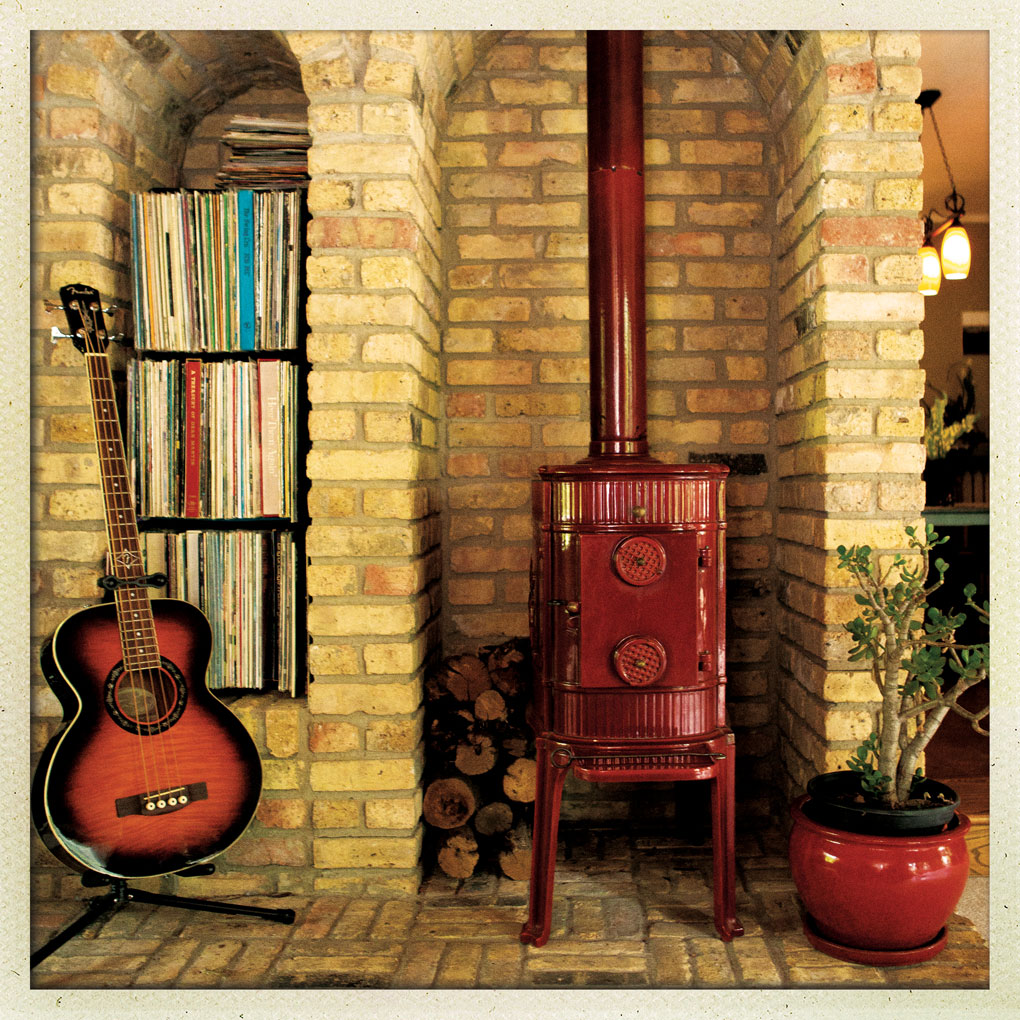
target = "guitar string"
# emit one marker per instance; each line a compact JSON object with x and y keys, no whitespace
{"x":95,"y":380}
{"x":165,"y":687}
{"x":138,"y":638}
{"x":138,"y":646}
{"x":147,"y":668}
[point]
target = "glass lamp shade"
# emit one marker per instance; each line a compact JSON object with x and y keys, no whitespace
{"x":931,"y":271}
{"x":955,"y":253}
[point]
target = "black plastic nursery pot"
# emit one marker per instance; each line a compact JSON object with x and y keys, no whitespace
{"x":835,"y":801}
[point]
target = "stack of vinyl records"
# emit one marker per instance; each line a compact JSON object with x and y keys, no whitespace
{"x":216,"y":271}
{"x":213,"y":439}
{"x":264,"y":152}
{"x":244,"y":581}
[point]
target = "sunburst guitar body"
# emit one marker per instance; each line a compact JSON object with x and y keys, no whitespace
{"x":149,"y":772}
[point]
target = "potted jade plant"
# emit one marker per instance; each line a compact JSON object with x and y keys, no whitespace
{"x":877,"y":850}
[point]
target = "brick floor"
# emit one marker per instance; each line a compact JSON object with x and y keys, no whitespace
{"x":631,"y":911}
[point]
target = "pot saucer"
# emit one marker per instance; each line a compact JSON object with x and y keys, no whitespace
{"x":874,"y":957}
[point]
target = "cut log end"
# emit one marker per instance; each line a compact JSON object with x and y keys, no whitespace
{"x":458,"y":856}
{"x":476,"y":755}
{"x":448,"y":803}
{"x":465,"y":677}
{"x":519,"y":781}
{"x":490,"y":706}
{"x":515,"y":859}
{"x":494,"y":818}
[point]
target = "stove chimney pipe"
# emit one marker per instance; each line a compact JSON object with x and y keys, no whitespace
{"x":616,"y":244}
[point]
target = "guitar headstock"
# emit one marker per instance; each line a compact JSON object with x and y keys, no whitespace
{"x":84,"y":318}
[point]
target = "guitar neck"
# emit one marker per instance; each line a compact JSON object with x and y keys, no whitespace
{"x":134,"y":610}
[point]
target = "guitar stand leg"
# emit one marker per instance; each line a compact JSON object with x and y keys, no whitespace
{"x":97,"y":906}
{"x":284,"y":916}
{"x":121,"y":893}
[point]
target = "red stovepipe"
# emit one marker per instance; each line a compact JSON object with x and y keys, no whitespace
{"x":616,"y":244}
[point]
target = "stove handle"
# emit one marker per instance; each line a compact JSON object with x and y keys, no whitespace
{"x":572,"y":609}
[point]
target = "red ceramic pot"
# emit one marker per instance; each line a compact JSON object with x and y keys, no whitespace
{"x":877,"y":899}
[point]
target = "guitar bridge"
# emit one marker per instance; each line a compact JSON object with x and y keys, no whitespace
{"x":162,"y":802}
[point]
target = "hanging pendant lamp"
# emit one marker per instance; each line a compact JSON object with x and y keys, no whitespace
{"x":952,"y":260}
{"x":931,"y":265}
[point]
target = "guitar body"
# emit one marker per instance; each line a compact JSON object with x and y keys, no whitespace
{"x":149,"y":773}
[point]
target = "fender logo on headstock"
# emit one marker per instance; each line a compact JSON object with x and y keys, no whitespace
{"x":84,"y":317}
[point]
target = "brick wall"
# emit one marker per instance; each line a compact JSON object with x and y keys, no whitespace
{"x":447,"y":264}
{"x":849,"y":420}
{"x":373,"y":386}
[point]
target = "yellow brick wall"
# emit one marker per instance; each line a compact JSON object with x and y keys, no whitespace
{"x":848,"y":392}
{"x":95,"y":138}
{"x":373,"y":312}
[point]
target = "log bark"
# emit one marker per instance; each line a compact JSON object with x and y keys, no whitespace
{"x":458,"y":855}
{"x":515,"y":859}
{"x":448,"y":803}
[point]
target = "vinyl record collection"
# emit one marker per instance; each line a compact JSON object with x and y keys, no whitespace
{"x":213,"y":438}
{"x":213,"y":416}
{"x":244,"y":581}
{"x":215,"y":271}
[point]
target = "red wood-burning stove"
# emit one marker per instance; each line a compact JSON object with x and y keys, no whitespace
{"x":628,"y":598}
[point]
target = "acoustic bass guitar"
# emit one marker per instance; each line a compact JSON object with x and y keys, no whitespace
{"x":149,"y":773}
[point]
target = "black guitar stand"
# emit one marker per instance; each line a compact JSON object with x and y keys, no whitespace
{"x":110,"y":582}
{"x":121,"y":894}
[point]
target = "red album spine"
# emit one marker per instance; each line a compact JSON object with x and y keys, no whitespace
{"x":192,"y":437}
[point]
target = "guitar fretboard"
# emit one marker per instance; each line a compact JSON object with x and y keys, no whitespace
{"x":134,"y":610}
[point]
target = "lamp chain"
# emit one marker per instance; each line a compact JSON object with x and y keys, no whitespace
{"x":951,"y":204}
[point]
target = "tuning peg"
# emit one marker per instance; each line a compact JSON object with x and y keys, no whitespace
{"x":56,"y":335}
{"x":122,"y":339}
{"x":111,"y":309}
{"x":52,"y":306}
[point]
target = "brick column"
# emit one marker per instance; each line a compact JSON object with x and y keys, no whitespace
{"x":373,"y":563}
{"x":849,"y":422}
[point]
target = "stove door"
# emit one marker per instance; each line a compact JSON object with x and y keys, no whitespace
{"x":645,"y":607}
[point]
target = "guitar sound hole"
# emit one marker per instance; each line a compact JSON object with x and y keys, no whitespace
{"x":145,"y":701}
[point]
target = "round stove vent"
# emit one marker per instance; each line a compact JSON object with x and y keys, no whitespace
{"x":639,"y":660}
{"x":639,"y":560}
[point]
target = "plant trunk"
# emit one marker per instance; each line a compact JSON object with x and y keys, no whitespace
{"x":908,"y":760}
{"x":889,"y":744}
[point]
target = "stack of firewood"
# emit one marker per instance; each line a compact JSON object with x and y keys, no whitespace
{"x":480,"y":787}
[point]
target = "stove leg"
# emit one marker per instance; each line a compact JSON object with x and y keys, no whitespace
{"x":723,"y":850}
{"x":548,"y":791}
